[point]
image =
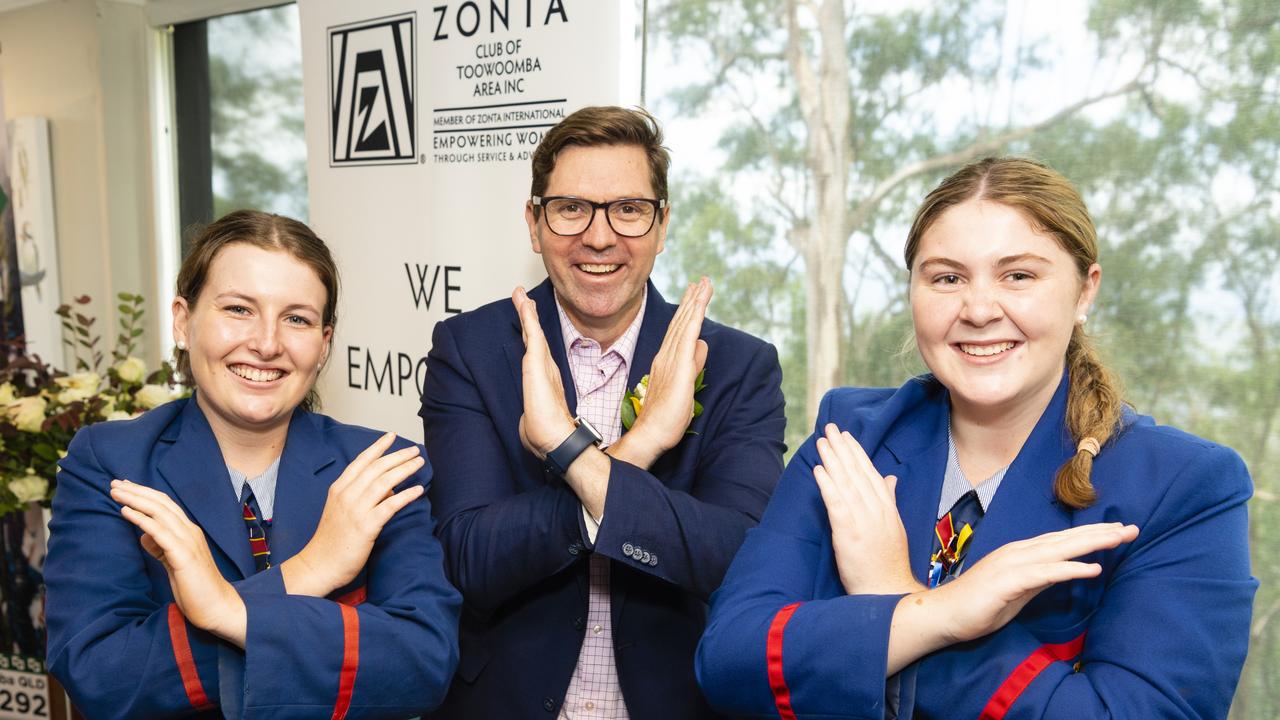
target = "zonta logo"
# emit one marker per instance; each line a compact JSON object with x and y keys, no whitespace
{"x":372,"y":88}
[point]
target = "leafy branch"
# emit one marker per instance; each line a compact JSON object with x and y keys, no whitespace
{"x":78,"y":336}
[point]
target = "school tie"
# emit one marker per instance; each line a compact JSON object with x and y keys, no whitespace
{"x":258,"y":529}
{"x":952,"y":536}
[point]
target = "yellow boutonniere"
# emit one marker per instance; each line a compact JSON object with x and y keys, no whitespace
{"x":633,"y":400}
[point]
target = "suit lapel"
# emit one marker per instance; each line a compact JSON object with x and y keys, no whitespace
{"x":653,"y":328}
{"x":194,"y":468}
{"x":1024,"y":506}
{"x":306,"y":467}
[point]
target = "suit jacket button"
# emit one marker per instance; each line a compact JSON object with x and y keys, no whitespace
{"x":653,"y":560}
{"x":548,"y":704}
{"x":644,"y":558}
{"x":579,"y":623}
{"x":573,"y":549}
{"x":627,"y":548}
{"x":637,"y":553}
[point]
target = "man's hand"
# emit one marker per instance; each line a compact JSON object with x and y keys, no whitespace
{"x":205,"y":598}
{"x":668,"y":404}
{"x":546,"y":421}
{"x":867,"y":536}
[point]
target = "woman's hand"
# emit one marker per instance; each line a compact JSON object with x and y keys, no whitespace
{"x":867,"y":536}
{"x":668,"y":402}
{"x":359,"y":504}
{"x":986,"y":596}
{"x":205,"y":598}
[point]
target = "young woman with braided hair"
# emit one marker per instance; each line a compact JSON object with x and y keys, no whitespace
{"x":968,"y":545}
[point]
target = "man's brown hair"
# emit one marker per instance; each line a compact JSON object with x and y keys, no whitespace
{"x":603,"y":125}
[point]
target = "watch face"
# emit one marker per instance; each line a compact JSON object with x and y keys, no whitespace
{"x":583,"y":422}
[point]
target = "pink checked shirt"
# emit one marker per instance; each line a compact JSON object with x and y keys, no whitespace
{"x":600,"y":378}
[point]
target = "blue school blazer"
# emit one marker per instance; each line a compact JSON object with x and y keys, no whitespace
{"x":384,"y":646}
{"x":1161,"y":633}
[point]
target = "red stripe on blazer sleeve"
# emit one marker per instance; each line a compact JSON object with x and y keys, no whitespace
{"x":186,"y":662}
{"x":355,"y":597}
{"x":350,"y":660}
{"x":1021,"y":677}
{"x":773,"y":655}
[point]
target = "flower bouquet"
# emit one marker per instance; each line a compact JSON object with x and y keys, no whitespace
{"x":42,"y":407}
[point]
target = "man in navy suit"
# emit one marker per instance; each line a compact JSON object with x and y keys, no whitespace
{"x":585,"y":539}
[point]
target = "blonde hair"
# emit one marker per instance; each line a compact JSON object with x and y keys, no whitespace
{"x":1053,"y":205}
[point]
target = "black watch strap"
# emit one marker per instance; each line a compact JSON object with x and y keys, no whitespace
{"x":583,"y":436}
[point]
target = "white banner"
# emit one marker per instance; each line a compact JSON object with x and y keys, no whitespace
{"x":420,"y":120}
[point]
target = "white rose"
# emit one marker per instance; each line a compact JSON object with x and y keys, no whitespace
{"x":7,"y":394}
{"x":29,"y":488}
{"x":149,"y":396}
{"x":118,"y":415}
{"x":131,"y":370}
{"x":27,"y":413}
{"x":80,"y":386}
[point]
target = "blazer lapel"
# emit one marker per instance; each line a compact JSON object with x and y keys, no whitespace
{"x":1024,"y":506}
{"x":653,"y":328}
{"x":301,"y":486}
{"x":195,"y":469}
{"x":549,"y":318}
{"x":919,"y":445}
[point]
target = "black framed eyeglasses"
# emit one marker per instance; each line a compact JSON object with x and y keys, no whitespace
{"x":629,"y":217}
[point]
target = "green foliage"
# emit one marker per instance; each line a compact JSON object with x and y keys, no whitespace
{"x":130,"y":317}
{"x":1179,"y":169}
{"x":77,"y":335}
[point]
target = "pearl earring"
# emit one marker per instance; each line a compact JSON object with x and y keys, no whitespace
{"x":1082,"y":319}
{"x":182,"y":345}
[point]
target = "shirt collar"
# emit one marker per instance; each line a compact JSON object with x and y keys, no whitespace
{"x":955,"y":484}
{"x":263,"y":486}
{"x":624,"y":346}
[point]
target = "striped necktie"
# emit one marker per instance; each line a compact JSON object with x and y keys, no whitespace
{"x":952,"y":536}
{"x":258,"y":529}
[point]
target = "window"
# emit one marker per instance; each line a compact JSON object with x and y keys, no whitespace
{"x":239,"y":115}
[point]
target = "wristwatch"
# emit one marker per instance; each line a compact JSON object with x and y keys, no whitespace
{"x":584,"y":435}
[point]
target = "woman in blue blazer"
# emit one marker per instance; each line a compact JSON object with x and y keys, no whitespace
{"x":1001,"y":538}
{"x":236,"y":553}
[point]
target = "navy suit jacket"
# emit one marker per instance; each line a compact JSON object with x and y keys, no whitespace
{"x":514,"y":538}
{"x":1161,"y":633}
{"x":384,"y":646}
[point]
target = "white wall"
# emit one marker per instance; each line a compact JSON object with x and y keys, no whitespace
{"x":83,"y":65}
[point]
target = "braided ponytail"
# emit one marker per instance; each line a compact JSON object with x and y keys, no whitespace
{"x":1093,"y":413}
